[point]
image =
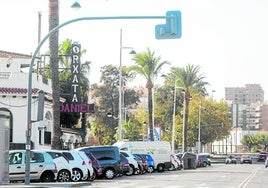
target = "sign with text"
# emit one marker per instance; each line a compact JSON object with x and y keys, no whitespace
{"x":75,"y":70}
{"x":75,"y":105}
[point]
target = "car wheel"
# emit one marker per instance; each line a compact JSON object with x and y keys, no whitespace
{"x":172,"y":167}
{"x":137,"y":171}
{"x":204,"y":164}
{"x":160,"y":168}
{"x":64,"y":176}
{"x":131,"y":170}
{"x":150,"y":169}
{"x":47,"y":177}
{"x":76,"y":175}
{"x":93,"y":176}
{"x":109,"y":173}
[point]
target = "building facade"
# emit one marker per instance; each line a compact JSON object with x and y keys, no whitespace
{"x":248,"y":115}
{"x":14,"y":76}
{"x":251,"y":93}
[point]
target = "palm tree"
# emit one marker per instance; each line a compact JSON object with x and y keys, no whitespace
{"x":189,"y":79}
{"x":148,"y":66}
{"x":53,"y":48}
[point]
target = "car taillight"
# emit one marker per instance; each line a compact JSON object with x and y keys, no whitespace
{"x":84,"y":163}
{"x":55,"y":166}
{"x":90,"y":162}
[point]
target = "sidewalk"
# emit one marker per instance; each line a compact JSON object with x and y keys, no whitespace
{"x":44,"y":185}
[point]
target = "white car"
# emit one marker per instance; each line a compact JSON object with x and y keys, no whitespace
{"x":64,"y":168}
{"x":78,"y":164}
{"x":134,"y":167}
{"x":42,"y":166}
{"x":88,"y":164}
{"x":176,"y":163}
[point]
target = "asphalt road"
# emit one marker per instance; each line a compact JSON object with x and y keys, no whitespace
{"x":214,"y":176}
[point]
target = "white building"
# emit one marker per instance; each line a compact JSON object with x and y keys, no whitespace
{"x":13,"y":99}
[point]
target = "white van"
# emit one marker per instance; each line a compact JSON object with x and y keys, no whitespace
{"x":159,"y":150}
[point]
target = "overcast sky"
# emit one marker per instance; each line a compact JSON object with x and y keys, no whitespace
{"x":228,"y":39}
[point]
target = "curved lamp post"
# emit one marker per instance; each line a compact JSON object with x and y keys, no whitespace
{"x":170,"y":30}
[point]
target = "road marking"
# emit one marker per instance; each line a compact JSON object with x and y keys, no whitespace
{"x":244,"y":183}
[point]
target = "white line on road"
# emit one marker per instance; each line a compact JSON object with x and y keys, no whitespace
{"x":244,"y":183}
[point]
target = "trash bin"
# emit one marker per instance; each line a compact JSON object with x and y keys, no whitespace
{"x":189,"y":160}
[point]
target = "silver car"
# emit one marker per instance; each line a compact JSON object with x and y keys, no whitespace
{"x":42,"y":166}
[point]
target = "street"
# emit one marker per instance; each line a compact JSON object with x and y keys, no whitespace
{"x":217,"y":175}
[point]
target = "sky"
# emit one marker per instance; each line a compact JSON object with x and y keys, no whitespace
{"x":228,"y":39}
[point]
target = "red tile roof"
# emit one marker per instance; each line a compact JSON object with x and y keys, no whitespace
{"x":4,"y":54}
{"x":8,"y":90}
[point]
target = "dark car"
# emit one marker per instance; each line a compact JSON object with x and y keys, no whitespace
{"x":96,"y":166}
{"x":245,"y":159}
{"x":203,"y":160}
{"x":261,"y":156}
{"x":230,"y":160}
{"x":108,"y":157}
{"x":125,"y":167}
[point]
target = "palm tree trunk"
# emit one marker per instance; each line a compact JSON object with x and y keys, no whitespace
{"x":185,"y":121}
{"x":150,"y":108}
{"x":53,"y":47}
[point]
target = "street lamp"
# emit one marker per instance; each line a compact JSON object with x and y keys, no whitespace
{"x":76,"y":6}
{"x":121,"y":95}
{"x":174,"y":114}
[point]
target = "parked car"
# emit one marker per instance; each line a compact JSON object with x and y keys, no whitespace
{"x":81,"y":165}
{"x":63,"y":166}
{"x":230,"y":160}
{"x":109,"y":158}
{"x":89,"y":164}
{"x":176,"y":163}
{"x":179,"y":155}
{"x":208,"y":157}
{"x":202,"y":161}
{"x":125,"y":165}
{"x":140,"y":164}
{"x":245,"y":159}
{"x":42,"y":166}
{"x":262,"y":156}
{"x":150,"y":162}
{"x":96,"y":166}
{"x":143,"y":162}
{"x":134,"y":167}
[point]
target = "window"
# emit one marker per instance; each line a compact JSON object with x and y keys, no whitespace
{"x":15,"y":158}
{"x":37,"y":158}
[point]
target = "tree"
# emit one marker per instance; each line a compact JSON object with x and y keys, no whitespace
{"x":148,"y":66}
{"x":214,"y":120}
{"x":250,"y":141}
{"x":107,"y":98}
{"x":192,"y":81}
{"x":53,"y":48}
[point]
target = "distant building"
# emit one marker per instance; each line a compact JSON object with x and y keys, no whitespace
{"x":251,"y":93}
{"x":248,"y":115}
